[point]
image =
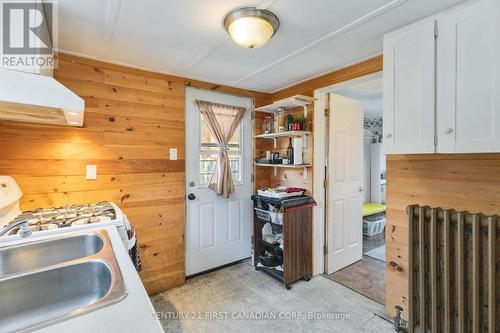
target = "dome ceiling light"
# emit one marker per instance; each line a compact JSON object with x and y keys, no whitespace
{"x":250,"y":27}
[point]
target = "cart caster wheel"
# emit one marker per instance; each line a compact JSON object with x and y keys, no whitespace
{"x":288,"y":287}
{"x":307,"y":278}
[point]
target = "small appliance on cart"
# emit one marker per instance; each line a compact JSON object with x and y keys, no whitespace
{"x":283,"y":234}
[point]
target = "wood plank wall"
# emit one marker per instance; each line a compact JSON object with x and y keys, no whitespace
{"x":366,"y":67}
{"x":292,"y":177}
{"x":295,"y":177}
{"x":132,"y":118}
{"x":462,"y":182}
{"x":262,"y":175}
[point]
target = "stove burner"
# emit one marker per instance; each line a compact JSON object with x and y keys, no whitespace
{"x":92,"y":219}
{"x":71,"y":215}
{"x":40,"y":227}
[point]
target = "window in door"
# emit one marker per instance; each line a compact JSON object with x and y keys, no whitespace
{"x":209,"y":151}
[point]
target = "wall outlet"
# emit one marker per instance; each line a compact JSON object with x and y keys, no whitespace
{"x":91,"y":172}
{"x":173,"y":154}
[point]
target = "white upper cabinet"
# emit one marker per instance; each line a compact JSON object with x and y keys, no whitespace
{"x":443,"y":94}
{"x":468,"y":117}
{"x":409,"y":101}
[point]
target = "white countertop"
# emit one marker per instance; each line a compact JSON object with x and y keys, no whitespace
{"x":134,"y":313}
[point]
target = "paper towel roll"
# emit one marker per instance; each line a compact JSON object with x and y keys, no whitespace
{"x":297,"y":150}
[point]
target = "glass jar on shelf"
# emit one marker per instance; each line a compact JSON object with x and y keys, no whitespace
{"x":268,"y":125}
{"x":280,"y":120}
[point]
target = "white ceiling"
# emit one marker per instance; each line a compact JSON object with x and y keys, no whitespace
{"x":367,"y":90}
{"x":187,"y":37}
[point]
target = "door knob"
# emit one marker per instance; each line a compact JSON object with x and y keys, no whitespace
{"x":449,"y":130}
{"x":388,"y":135}
{"x":191,"y":196}
{"x":361,"y":189}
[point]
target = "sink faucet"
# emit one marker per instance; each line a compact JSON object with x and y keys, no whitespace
{"x":25,"y":230}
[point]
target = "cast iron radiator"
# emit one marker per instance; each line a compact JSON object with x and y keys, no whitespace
{"x":454,"y":278}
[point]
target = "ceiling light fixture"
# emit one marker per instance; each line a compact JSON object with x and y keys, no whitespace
{"x":250,"y":27}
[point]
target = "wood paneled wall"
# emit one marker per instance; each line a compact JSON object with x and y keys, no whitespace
{"x":461,"y":181}
{"x":262,"y":175}
{"x":363,"y":68}
{"x":366,"y":67}
{"x":132,"y":118}
{"x":265,"y":177}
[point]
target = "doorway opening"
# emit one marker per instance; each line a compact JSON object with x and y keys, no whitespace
{"x":356,"y":259}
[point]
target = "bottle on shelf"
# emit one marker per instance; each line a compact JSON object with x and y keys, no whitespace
{"x":289,"y":151}
{"x":289,"y":122}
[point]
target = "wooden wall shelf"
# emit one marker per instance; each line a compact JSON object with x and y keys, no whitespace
{"x":286,"y":134}
{"x":289,"y":166}
{"x":287,"y":103}
{"x":286,"y":166}
{"x":291,"y":175}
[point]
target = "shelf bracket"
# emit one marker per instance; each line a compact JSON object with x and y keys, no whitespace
{"x":275,"y":171}
{"x":305,"y":111}
{"x":305,"y":140}
{"x":275,"y":144}
{"x":305,"y":172}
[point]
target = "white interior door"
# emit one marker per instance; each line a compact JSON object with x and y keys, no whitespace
{"x":218,"y":230}
{"x":345,"y":191}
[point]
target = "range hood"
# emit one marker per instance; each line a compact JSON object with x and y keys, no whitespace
{"x":38,"y":99}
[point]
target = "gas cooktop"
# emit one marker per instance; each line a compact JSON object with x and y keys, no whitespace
{"x":71,"y":215}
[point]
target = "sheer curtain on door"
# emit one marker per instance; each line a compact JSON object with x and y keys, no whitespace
{"x":222,"y":121}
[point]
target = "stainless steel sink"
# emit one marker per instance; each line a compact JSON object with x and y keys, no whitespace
{"x":81,"y":275}
{"x":35,"y":255}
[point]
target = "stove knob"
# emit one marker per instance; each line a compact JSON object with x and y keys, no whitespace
{"x":191,"y":196}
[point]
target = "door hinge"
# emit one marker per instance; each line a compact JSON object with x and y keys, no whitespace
{"x":436,"y":31}
{"x":253,"y":115}
{"x":325,"y":250}
{"x":325,"y":183}
{"x":435,"y":140}
{"x":252,"y":178}
{"x":327,"y":112}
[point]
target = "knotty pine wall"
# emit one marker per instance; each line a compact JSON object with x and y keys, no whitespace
{"x":366,"y":67}
{"x":292,"y":177}
{"x":459,"y":181}
{"x":132,"y":118}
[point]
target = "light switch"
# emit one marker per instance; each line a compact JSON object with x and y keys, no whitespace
{"x":91,"y":172}
{"x":173,"y":154}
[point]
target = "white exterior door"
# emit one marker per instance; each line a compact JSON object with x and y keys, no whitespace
{"x":345,"y":191}
{"x":218,"y":230}
{"x":409,"y":90}
{"x":468,"y":117}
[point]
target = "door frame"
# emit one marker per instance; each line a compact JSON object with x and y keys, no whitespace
{"x":320,"y":167}
{"x":246,"y":171}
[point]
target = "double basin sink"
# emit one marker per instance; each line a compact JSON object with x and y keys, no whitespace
{"x":46,"y":281}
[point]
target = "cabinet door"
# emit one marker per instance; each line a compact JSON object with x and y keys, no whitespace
{"x":468,"y":117}
{"x":409,"y":90}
